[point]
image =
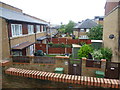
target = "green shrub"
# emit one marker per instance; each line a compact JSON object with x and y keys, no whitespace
{"x":103,"y":53}
{"x":107,"y":53}
{"x":97,"y":54}
{"x":84,"y":51}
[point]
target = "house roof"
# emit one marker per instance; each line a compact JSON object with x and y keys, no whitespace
{"x":86,"y":24}
{"x":22,"y":45}
{"x":18,"y":16}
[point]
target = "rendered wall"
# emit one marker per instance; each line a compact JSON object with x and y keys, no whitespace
{"x":5,"y":40}
{"x":111,"y":26}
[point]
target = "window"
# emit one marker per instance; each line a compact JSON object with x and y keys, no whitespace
{"x":30,"y":29}
{"x":37,"y":28}
{"x":16,"y":30}
{"x":82,"y":30}
{"x":87,"y":30}
{"x":44,"y":29}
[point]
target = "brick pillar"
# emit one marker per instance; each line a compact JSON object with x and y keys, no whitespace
{"x":83,"y":66}
{"x":103,"y":65}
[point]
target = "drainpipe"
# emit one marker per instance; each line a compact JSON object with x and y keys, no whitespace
{"x":9,"y":36}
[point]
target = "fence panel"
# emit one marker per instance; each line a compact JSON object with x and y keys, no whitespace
{"x":39,"y":46}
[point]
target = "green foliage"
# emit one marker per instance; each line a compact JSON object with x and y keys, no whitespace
{"x":59,"y":45}
{"x":69,"y":27}
{"x":107,"y":53}
{"x":50,"y":43}
{"x":97,"y":54}
{"x":62,"y":29}
{"x":84,"y":51}
{"x":96,"y":33}
{"x":103,"y":53}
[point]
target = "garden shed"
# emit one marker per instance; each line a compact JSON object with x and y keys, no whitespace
{"x":75,"y":48}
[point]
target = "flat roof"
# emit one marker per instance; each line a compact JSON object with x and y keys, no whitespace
{"x":96,"y":40}
{"x":76,"y":45}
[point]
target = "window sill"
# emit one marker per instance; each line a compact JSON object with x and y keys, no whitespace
{"x":21,"y":36}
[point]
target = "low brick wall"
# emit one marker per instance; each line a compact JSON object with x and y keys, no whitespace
{"x":90,"y":71}
{"x":83,"y":80}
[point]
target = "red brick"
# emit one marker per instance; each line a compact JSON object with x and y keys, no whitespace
{"x":98,"y":82}
{"x":38,"y":75}
{"x":113,"y":83}
{"x":75,"y":79}
{"x":88,"y":78}
{"x":46,"y":76}
{"x":49,"y":76}
{"x":102,"y":82}
{"x":92,"y":82}
{"x":116,"y":84}
{"x":60,"y":78}
{"x":69,"y":79}
{"x":95,"y":82}
{"x":79,"y":79}
{"x":57,"y":79}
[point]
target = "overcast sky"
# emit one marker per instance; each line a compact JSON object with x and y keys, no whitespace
{"x":57,"y":11}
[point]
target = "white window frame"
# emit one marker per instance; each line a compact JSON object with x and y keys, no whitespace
{"x":30,"y":29}
{"x":41,"y":28}
{"x":44,"y":28}
{"x":87,"y":30}
{"x":37,"y":28}
{"x":16,"y":30}
{"x":82,"y":30}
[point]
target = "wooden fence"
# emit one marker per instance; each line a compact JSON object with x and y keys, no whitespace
{"x":52,"y":50}
{"x":70,"y":41}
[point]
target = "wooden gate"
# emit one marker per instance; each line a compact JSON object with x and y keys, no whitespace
{"x":75,"y":67}
{"x":112,"y":70}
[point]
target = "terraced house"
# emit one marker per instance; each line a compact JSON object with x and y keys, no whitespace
{"x":111,"y":32}
{"x":19,"y":31}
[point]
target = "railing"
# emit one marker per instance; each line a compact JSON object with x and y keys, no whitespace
{"x":93,"y":63}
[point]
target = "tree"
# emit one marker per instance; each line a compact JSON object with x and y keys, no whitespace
{"x":69,"y":27}
{"x":96,"y":33}
{"x":84,"y":51}
{"x":62,"y":29}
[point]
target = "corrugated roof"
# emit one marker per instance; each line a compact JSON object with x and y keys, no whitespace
{"x":18,"y":16}
{"x":86,"y":24}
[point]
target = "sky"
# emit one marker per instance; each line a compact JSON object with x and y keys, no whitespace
{"x":57,"y":11}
